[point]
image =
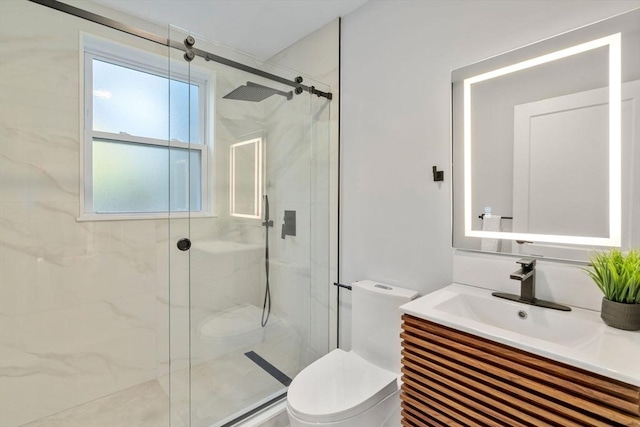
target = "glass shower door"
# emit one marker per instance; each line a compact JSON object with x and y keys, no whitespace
{"x":187,"y":150}
{"x":249,"y":297}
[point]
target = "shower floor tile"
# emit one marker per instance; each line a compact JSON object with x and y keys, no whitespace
{"x":218,"y":390}
{"x":144,"y":405}
{"x":225,"y":387}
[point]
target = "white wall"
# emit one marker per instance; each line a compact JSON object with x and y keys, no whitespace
{"x":396,"y":63}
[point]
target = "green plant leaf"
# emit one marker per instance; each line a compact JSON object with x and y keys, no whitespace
{"x":617,"y":275}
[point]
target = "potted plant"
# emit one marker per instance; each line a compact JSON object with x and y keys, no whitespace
{"x":618,"y":277}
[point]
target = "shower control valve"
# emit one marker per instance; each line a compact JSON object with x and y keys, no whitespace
{"x":289,"y":226}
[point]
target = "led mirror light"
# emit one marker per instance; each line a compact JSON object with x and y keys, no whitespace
{"x":245,"y":166}
{"x":615,"y":145}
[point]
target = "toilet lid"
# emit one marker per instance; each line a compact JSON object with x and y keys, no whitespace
{"x":337,"y":386}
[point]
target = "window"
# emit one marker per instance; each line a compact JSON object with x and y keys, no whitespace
{"x":146,"y":146}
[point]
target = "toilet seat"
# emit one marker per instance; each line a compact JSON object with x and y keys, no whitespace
{"x":339,"y":385}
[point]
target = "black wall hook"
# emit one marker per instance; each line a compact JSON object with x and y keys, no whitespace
{"x":438,"y":175}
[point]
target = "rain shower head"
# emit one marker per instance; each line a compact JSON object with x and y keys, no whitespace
{"x":255,"y":93}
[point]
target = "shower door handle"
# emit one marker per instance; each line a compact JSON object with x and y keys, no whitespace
{"x":184,"y":244}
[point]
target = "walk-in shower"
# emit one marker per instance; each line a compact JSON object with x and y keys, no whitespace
{"x":140,"y":283}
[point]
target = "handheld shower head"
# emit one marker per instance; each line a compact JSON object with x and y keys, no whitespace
{"x":267,"y":222}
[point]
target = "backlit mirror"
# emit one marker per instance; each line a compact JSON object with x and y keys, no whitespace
{"x":546,"y":151}
{"x":246,"y":178}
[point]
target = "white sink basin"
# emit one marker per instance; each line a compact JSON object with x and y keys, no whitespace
{"x":577,"y":337}
{"x":559,"y":327}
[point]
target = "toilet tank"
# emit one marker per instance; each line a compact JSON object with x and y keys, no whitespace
{"x":376,"y":322}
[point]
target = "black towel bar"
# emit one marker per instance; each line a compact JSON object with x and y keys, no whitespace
{"x":340,"y":285}
{"x":503,"y":217}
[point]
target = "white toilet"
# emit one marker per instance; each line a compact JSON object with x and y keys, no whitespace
{"x":358,"y":388}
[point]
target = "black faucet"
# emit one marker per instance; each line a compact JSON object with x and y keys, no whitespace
{"x":526,"y":275}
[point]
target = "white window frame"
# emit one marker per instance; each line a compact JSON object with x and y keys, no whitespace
{"x":93,"y":47}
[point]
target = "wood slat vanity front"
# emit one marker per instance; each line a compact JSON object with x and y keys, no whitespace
{"x":454,"y":378}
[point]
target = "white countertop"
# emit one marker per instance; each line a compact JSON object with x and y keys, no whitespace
{"x":600,"y":349}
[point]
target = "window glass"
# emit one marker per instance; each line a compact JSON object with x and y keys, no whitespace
{"x":131,"y":178}
{"x":138,"y":103}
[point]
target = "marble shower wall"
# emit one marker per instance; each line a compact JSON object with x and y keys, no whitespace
{"x":78,"y":300}
{"x":305,"y":264}
{"x":208,"y":281}
{"x":300,"y":141}
{"x":288,"y":154}
{"x":84,"y":306}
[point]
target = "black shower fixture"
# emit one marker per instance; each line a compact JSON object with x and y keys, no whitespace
{"x":254,"y":92}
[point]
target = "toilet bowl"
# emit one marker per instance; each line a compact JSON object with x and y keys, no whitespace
{"x":360,"y":387}
{"x":341,"y":389}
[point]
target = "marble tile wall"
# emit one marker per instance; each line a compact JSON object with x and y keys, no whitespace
{"x":212,"y":277}
{"x":300,"y":140}
{"x":77,"y":299}
{"x":288,"y":183}
{"x":316,"y":142}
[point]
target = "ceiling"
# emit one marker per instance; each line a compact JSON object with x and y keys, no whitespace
{"x":261,"y":28}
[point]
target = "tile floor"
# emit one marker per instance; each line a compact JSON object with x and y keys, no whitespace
{"x":220,"y":390}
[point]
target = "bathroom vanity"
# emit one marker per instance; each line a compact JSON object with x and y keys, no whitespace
{"x":544,"y":165}
{"x":473,"y":359}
